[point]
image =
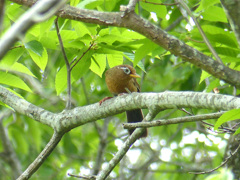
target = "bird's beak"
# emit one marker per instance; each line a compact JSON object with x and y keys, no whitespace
{"x":135,"y":76}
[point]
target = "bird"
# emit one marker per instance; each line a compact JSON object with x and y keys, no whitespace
{"x":122,"y":79}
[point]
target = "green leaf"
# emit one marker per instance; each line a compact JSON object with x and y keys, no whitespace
{"x":144,"y":50}
{"x":35,"y":46}
{"x":46,"y":26}
{"x":227,"y":116}
{"x":98,"y":64}
{"x":227,"y":59}
{"x":215,"y":14}
{"x":90,"y":4}
{"x":218,"y":35}
{"x":69,"y":146}
{"x":80,"y":28}
{"x":77,"y":72}
{"x":161,"y":11}
{"x":130,"y":57}
{"x":114,"y":59}
{"x":13,"y":11}
{"x":204,"y":75}
{"x":224,"y":174}
{"x":36,"y":133}
{"x":20,"y":140}
{"x":132,"y":35}
{"x":65,"y":35}
{"x":237,"y":131}
{"x":12,"y":56}
{"x":205,"y":4}
{"x":77,"y":44}
{"x":213,"y":84}
{"x":14,"y":81}
{"x":18,"y":67}
{"x":74,"y":2}
{"x":232,"y":52}
{"x":41,"y":61}
{"x":48,"y":42}
{"x":83,"y":65}
{"x":61,"y":80}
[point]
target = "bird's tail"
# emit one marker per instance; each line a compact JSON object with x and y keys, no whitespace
{"x":134,"y":116}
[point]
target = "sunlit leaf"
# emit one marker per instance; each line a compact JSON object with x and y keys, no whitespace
{"x":161,"y":11}
{"x":41,"y":61}
{"x":114,"y":59}
{"x":231,"y":115}
{"x":205,"y":4}
{"x":14,"y":81}
{"x":144,"y":50}
{"x":35,"y":46}
{"x":12,"y":56}
{"x":61,"y":80}
{"x":215,"y":14}
{"x":98,"y":64}
{"x":16,"y":67}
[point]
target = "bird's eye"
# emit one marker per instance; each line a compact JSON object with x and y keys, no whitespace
{"x":127,"y":70}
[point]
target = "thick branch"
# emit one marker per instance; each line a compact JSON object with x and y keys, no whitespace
{"x":156,"y":34}
{"x":69,"y":119}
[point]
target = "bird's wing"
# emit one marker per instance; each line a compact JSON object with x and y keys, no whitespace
{"x":136,"y":85}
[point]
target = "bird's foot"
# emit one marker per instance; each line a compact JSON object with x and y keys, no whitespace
{"x":104,"y":99}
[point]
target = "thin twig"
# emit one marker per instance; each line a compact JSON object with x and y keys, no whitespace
{"x":184,"y":110}
{"x":68,"y":104}
{"x":164,"y":4}
{"x":90,"y":177}
{"x":2,"y":4}
{"x":124,"y":149}
{"x":222,"y":164}
{"x":212,"y":50}
{"x":178,"y":120}
{"x":80,"y":57}
{"x":225,"y":129}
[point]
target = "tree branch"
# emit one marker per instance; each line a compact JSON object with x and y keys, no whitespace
{"x":131,"y":5}
{"x":41,"y":11}
{"x":68,"y":119}
{"x":124,"y":149}
{"x":221,"y":165}
{"x":162,"y":122}
{"x":207,"y":42}
{"x":69,"y":88}
{"x":156,"y":34}
{"x":33,"y":167}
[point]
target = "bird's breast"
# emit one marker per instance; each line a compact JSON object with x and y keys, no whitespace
{"x":117,"y":86}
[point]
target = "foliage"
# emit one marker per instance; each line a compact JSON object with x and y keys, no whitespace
{"x":169,"y":152}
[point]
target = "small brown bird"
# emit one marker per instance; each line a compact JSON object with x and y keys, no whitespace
{"x":122,"y":79}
